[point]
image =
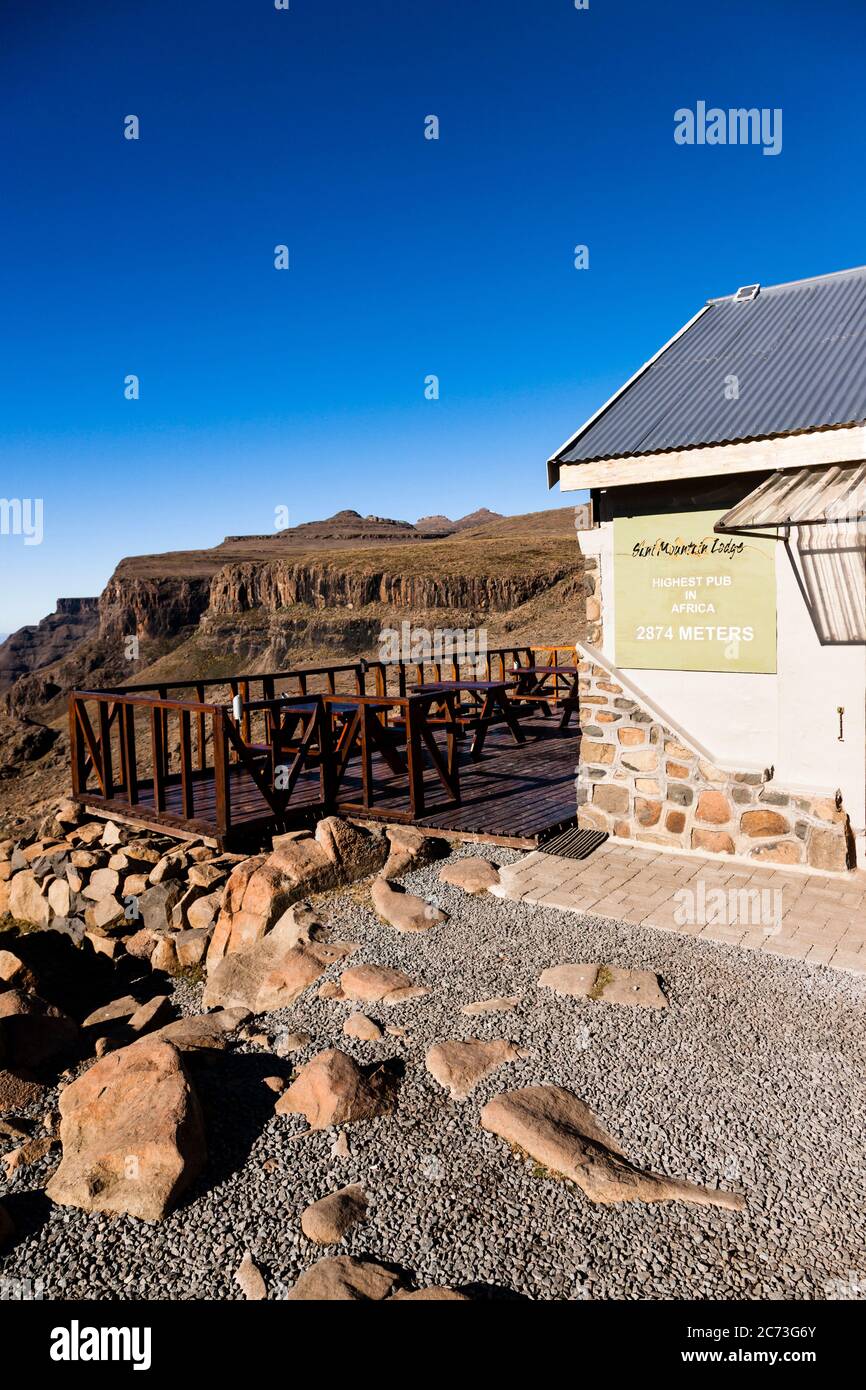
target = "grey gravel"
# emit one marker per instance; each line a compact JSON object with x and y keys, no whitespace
{"x":752,"y":1081}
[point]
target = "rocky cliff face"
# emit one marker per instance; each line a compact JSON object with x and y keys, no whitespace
{"x":280,"y":584}
{"x":50,"y":640}
{"x":134,"y":606}
{"x":324,"y":589}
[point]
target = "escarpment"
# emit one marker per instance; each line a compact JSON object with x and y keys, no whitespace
{"x":280,"y":584}
{"x":151,"y":607}
{"x":320,"y":590}
{"x":36,"y":646}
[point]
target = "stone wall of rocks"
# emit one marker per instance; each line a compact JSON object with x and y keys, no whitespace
{"x":177,"y":905}
{"x":117,"y":888}
{"x":592,"y":589}
{"x":639,"y":781}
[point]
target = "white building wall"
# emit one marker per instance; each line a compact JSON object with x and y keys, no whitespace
{"x":788,"y":720}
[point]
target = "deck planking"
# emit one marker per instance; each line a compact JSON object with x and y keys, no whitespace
{"x":513,"y":792}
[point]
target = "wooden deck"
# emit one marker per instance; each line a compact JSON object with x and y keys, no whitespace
{"x":513,"y":794}
{"x":238,"y":759}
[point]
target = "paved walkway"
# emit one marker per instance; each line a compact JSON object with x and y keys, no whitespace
{"x":800,"y":916}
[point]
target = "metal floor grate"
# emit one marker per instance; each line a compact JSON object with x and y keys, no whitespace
{"x":574,"y":843}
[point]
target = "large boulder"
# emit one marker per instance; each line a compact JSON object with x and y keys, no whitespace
{"x":331,"y":1089}
{"x":254,"y":902}
{"x":18,"y":1091}
{"x":472,"y":875}
{"x":260,"y":889}
{"x":404,"y":911}
{"x":355,"y":851}
{"x":273,"y":972}
{"x":555,"y":1128}
{"x":459,"y":1066}
{"x":33,"y":1033}
{"x":378,"y":984}
{"x":612,"y":983}
{"x":341,"y":1278}
{"x":14,"y":974}
{"x":411,"y":849}
{"x":158,"y":903}
{"x":328,"y":1220}
{"x":132,"y":1134}
{"x":232,"y":904}
{"x":202,"y":1032}
{"x":27,"y":903}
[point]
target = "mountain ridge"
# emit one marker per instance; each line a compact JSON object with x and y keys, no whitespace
{"x":340,"y":578}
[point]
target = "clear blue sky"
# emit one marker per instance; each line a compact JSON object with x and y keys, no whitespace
{"x":305,"y":388}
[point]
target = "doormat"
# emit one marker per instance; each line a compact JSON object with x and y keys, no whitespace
{"x":574,"y":843}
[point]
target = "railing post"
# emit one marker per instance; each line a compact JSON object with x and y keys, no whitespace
{"x":157,"y":743}
{"x":105,"y":748}
{"x":127,"y":728}
{"x":200,"y":730}
{"x":186,"y":782}
{"x":451,"y":735}
{"x":414,"y":760}
{"x":233,"y":687}
{"x":162,"y":692}
{"x":268,"y":694}
{"x":326,"y":755}
{"x":76,"y":747}
{"x":366,"y":759}
{"x":245,"y":717}
{"x":222,"y":786}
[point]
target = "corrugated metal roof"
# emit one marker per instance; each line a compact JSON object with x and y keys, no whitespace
{"x":797,"y":351}
{"x":802,"y":497}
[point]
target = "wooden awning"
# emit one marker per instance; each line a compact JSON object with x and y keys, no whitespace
{"x":802,"y":497}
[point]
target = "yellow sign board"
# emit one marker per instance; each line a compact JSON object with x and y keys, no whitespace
{"x":688,"y":599}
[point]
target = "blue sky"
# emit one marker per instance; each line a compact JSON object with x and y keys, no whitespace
{"x":305,"y":388}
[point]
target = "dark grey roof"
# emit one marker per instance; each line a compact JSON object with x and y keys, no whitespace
{"x":798,"y":352}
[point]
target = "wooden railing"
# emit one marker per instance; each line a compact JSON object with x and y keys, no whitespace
{"x":171,"y":751}
{"x":176,"y":762}
{"x":104,"y":735}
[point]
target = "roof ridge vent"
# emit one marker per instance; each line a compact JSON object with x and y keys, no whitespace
{"x":746,"y":292}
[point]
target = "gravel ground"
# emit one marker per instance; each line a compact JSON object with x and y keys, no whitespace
{"x":752,"y":1080}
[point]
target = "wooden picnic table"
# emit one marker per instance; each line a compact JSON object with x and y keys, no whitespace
{"x":485,"y":702}
{"x":531,"y":686}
